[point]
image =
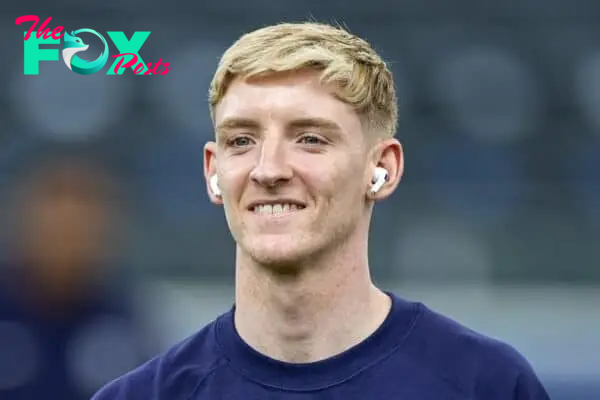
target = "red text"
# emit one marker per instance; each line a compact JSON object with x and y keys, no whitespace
{"x":138,"y":69}
{"x":42,"y":30}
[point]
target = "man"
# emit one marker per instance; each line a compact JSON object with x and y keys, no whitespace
{"x":64,"y":332}
{"x":305,"y":118}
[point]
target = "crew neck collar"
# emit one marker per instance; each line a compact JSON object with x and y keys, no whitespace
{"x":320,"y":374}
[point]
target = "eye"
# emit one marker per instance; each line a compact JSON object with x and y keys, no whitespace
{"x":240,"y":141}
{"x":311,"y":139}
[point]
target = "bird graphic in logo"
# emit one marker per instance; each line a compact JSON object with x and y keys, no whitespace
{"x":73,"y":44}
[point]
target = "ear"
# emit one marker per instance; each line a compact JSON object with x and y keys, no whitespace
{"x":210,"y":169}
{"x":389,"y":155}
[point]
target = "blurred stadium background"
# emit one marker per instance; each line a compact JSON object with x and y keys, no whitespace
{"x":497,"y":222}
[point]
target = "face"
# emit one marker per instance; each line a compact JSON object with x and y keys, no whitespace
{"x":293,"y":167}
{"x":64,"y":226}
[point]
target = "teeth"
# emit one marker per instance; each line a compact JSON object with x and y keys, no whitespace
{"x":275,"y":208}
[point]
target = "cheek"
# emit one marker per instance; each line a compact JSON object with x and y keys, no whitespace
{"x":350,"y":188}
{"x":232,"y":180}
{"x":339,"y":185}
{"x":232,"y":185}
{"x":348,"y":175}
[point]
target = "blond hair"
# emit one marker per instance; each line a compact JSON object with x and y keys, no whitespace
{"x":361,"y":78}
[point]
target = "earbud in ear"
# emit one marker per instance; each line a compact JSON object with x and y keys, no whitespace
{"x":214,"y":185}
{"x":380,"y":176}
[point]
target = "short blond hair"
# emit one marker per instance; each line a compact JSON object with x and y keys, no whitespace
{"x":362,"y":78}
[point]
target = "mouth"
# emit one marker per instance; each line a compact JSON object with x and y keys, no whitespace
{"x":276,"y":208}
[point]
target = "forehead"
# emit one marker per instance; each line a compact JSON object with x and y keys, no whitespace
{"x":284,"y":97}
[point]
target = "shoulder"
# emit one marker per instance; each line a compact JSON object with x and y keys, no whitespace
{"x":472,"y":362}
{"x":173,"y":374}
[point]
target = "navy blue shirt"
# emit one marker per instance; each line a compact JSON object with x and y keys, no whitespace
{"x":416,"y":354}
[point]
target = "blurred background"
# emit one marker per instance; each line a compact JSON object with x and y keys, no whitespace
{"x":111,"y":251}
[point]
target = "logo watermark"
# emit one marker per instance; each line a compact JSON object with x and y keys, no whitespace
{"x":128,"y":56}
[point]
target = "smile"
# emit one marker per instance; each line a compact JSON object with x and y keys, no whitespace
{"x":276,"y":208}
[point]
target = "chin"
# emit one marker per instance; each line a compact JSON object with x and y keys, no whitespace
{"x":282,"y":254}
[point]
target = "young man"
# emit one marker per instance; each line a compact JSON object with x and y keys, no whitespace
{"x":305,"y":117}
{"x":63,"y":331}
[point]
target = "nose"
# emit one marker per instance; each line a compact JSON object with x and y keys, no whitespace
{"x":272,"y":168}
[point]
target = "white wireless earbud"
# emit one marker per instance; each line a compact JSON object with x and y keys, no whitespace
{"x":214,"y":185}
{"x":380,"y":176}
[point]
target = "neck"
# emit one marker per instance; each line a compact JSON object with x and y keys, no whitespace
{"x":316,"y":314}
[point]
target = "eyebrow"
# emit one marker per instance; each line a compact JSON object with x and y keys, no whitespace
{"x":236,"y":123}
{"x":232,"y":123}
{"x":315,"y":123}
{"x":300,"y":123}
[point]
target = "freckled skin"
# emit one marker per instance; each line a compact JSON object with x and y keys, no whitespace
{"x":324,"y":168}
